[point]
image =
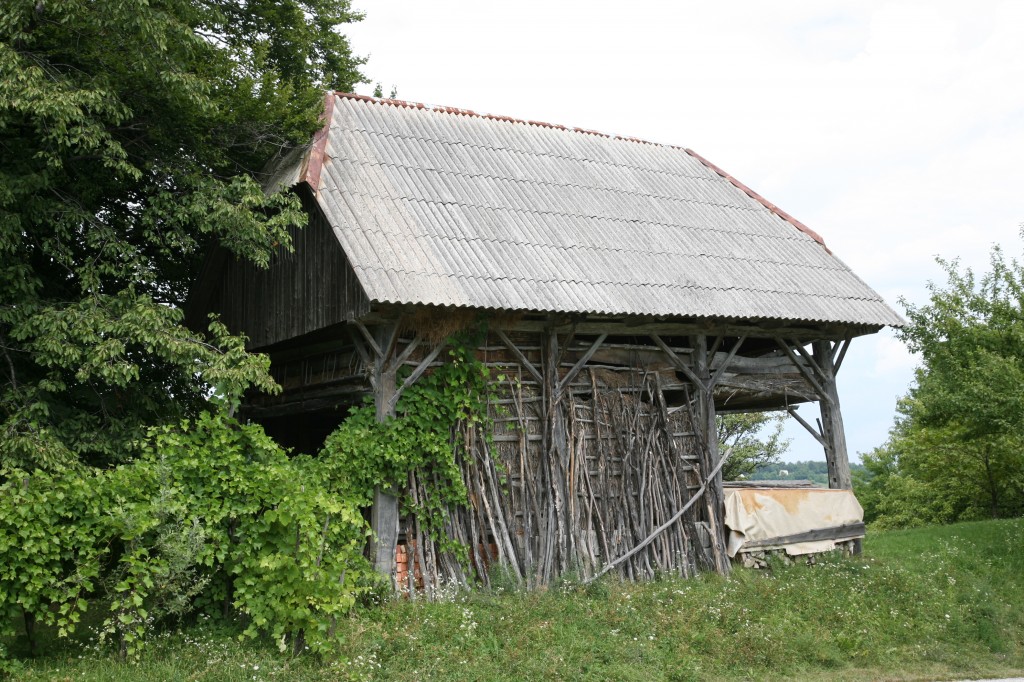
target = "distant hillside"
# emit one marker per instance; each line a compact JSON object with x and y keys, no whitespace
{"x":810,"y":471}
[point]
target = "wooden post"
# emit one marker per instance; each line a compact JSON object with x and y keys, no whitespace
{"x":384,"y":513}
{"x":716,"y":492}
{"x":558,"y":452}
{"x":834,"y":435}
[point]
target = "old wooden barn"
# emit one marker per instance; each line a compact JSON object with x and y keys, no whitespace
{"x":631,"y":292}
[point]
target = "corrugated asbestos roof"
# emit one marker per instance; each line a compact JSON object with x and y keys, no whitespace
{"x":445,"y":207}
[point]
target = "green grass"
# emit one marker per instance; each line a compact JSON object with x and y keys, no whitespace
{"x":933,"y":603}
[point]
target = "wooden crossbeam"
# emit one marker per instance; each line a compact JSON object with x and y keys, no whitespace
{"x":838,"y":533}
{"x":389,"y":350}
{"x":416,"y":374}
{"x":725,"y":365}
{"x":398,"y":361}
{"x":580,"y":363}
{"x":368,"y":337}
{"x":364,"y":355}
{"x":678,"y":362}
{"x":818,"y":436}
{"x":526,"y":364}
{"x":838,"y":361}
{"x":715,"y":346}
{"x":802,"y":368}
{"x":809,"y":359}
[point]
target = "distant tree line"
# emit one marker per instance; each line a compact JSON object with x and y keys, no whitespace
{"x":814,"y":471}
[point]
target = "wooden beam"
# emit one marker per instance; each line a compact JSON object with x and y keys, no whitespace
{"x":838,"y":362}
{"x":416,"y":374}
{"x":392,"y":334}
{"x":306,"y":405}
{"x":798,"y":483}
{"x":715,"y":498}
{"x":810,"y":429}
{"x":364,"y":355}
{"x":678,"y":362}
{"x":769,"y":365}
{"x":571,"y":374}
{"x":808,"y":358}
{"x":836,"y":455}
{"x":593,"y":326}
{"x":384,"y":512}
{"x":400,"y":360}
{"x":725,"y":364}
{"x":523,"y":361}
{"x":716,"y":345}
{"x":848,"y":531}
{"x":807,"y":374}
{"x":368,"y":337}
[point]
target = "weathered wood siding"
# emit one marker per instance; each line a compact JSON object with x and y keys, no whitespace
{"x":309,"y":289}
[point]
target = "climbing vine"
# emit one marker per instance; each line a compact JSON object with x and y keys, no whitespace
{"x":426,"y":437}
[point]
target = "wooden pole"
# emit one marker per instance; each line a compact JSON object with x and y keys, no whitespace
{"x":384,"y":513}
{"x":832,"y":430}
{"x":558,"y":452}
{"x":716,"y":492}
{"x":834,"y":435}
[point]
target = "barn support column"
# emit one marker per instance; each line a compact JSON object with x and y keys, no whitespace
{"x":700,"y":374}
{"x":819,"y":371}
{"x":832,"y":430}
{"x":379,"y":351}
{"x":384,"y":513}
{"x":715,"y":494}
{"x":557,"y":539}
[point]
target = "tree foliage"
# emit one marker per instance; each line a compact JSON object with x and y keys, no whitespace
{"x":956,"y":451}
{"x":755,"y":438}
{"x":131,"y":134}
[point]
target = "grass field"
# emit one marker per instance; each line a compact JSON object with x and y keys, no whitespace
{"x":926,"y":604}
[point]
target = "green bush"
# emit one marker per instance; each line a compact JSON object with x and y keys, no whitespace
{"x":212,"y":512}
{"x":52,"y":541}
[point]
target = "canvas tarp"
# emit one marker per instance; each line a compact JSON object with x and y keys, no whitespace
{"x":759,"y":515}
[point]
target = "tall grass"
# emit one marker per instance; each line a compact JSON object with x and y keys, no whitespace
{"x":933,"y":603}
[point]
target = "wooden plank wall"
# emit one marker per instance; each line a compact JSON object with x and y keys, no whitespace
{"x":308,"y":289}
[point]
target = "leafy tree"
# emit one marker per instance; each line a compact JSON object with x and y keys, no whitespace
{"x":131,"y":134}
{"x":956,"y":451}
{"x":755,"y":438}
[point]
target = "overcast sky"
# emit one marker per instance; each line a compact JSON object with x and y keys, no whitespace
{"x":893,"y":129}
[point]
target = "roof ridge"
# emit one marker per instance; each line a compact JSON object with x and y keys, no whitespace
{"x":557,"y":126}
{"x":493,"y":117}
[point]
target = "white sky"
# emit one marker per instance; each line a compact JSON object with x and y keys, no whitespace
{"x":893,"y":129}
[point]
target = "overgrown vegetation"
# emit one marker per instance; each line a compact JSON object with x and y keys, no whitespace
{"x":214,"y":516}
{"x":935,"y":603}
{"x":956,"y":451}
{"x":211,"y":515}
